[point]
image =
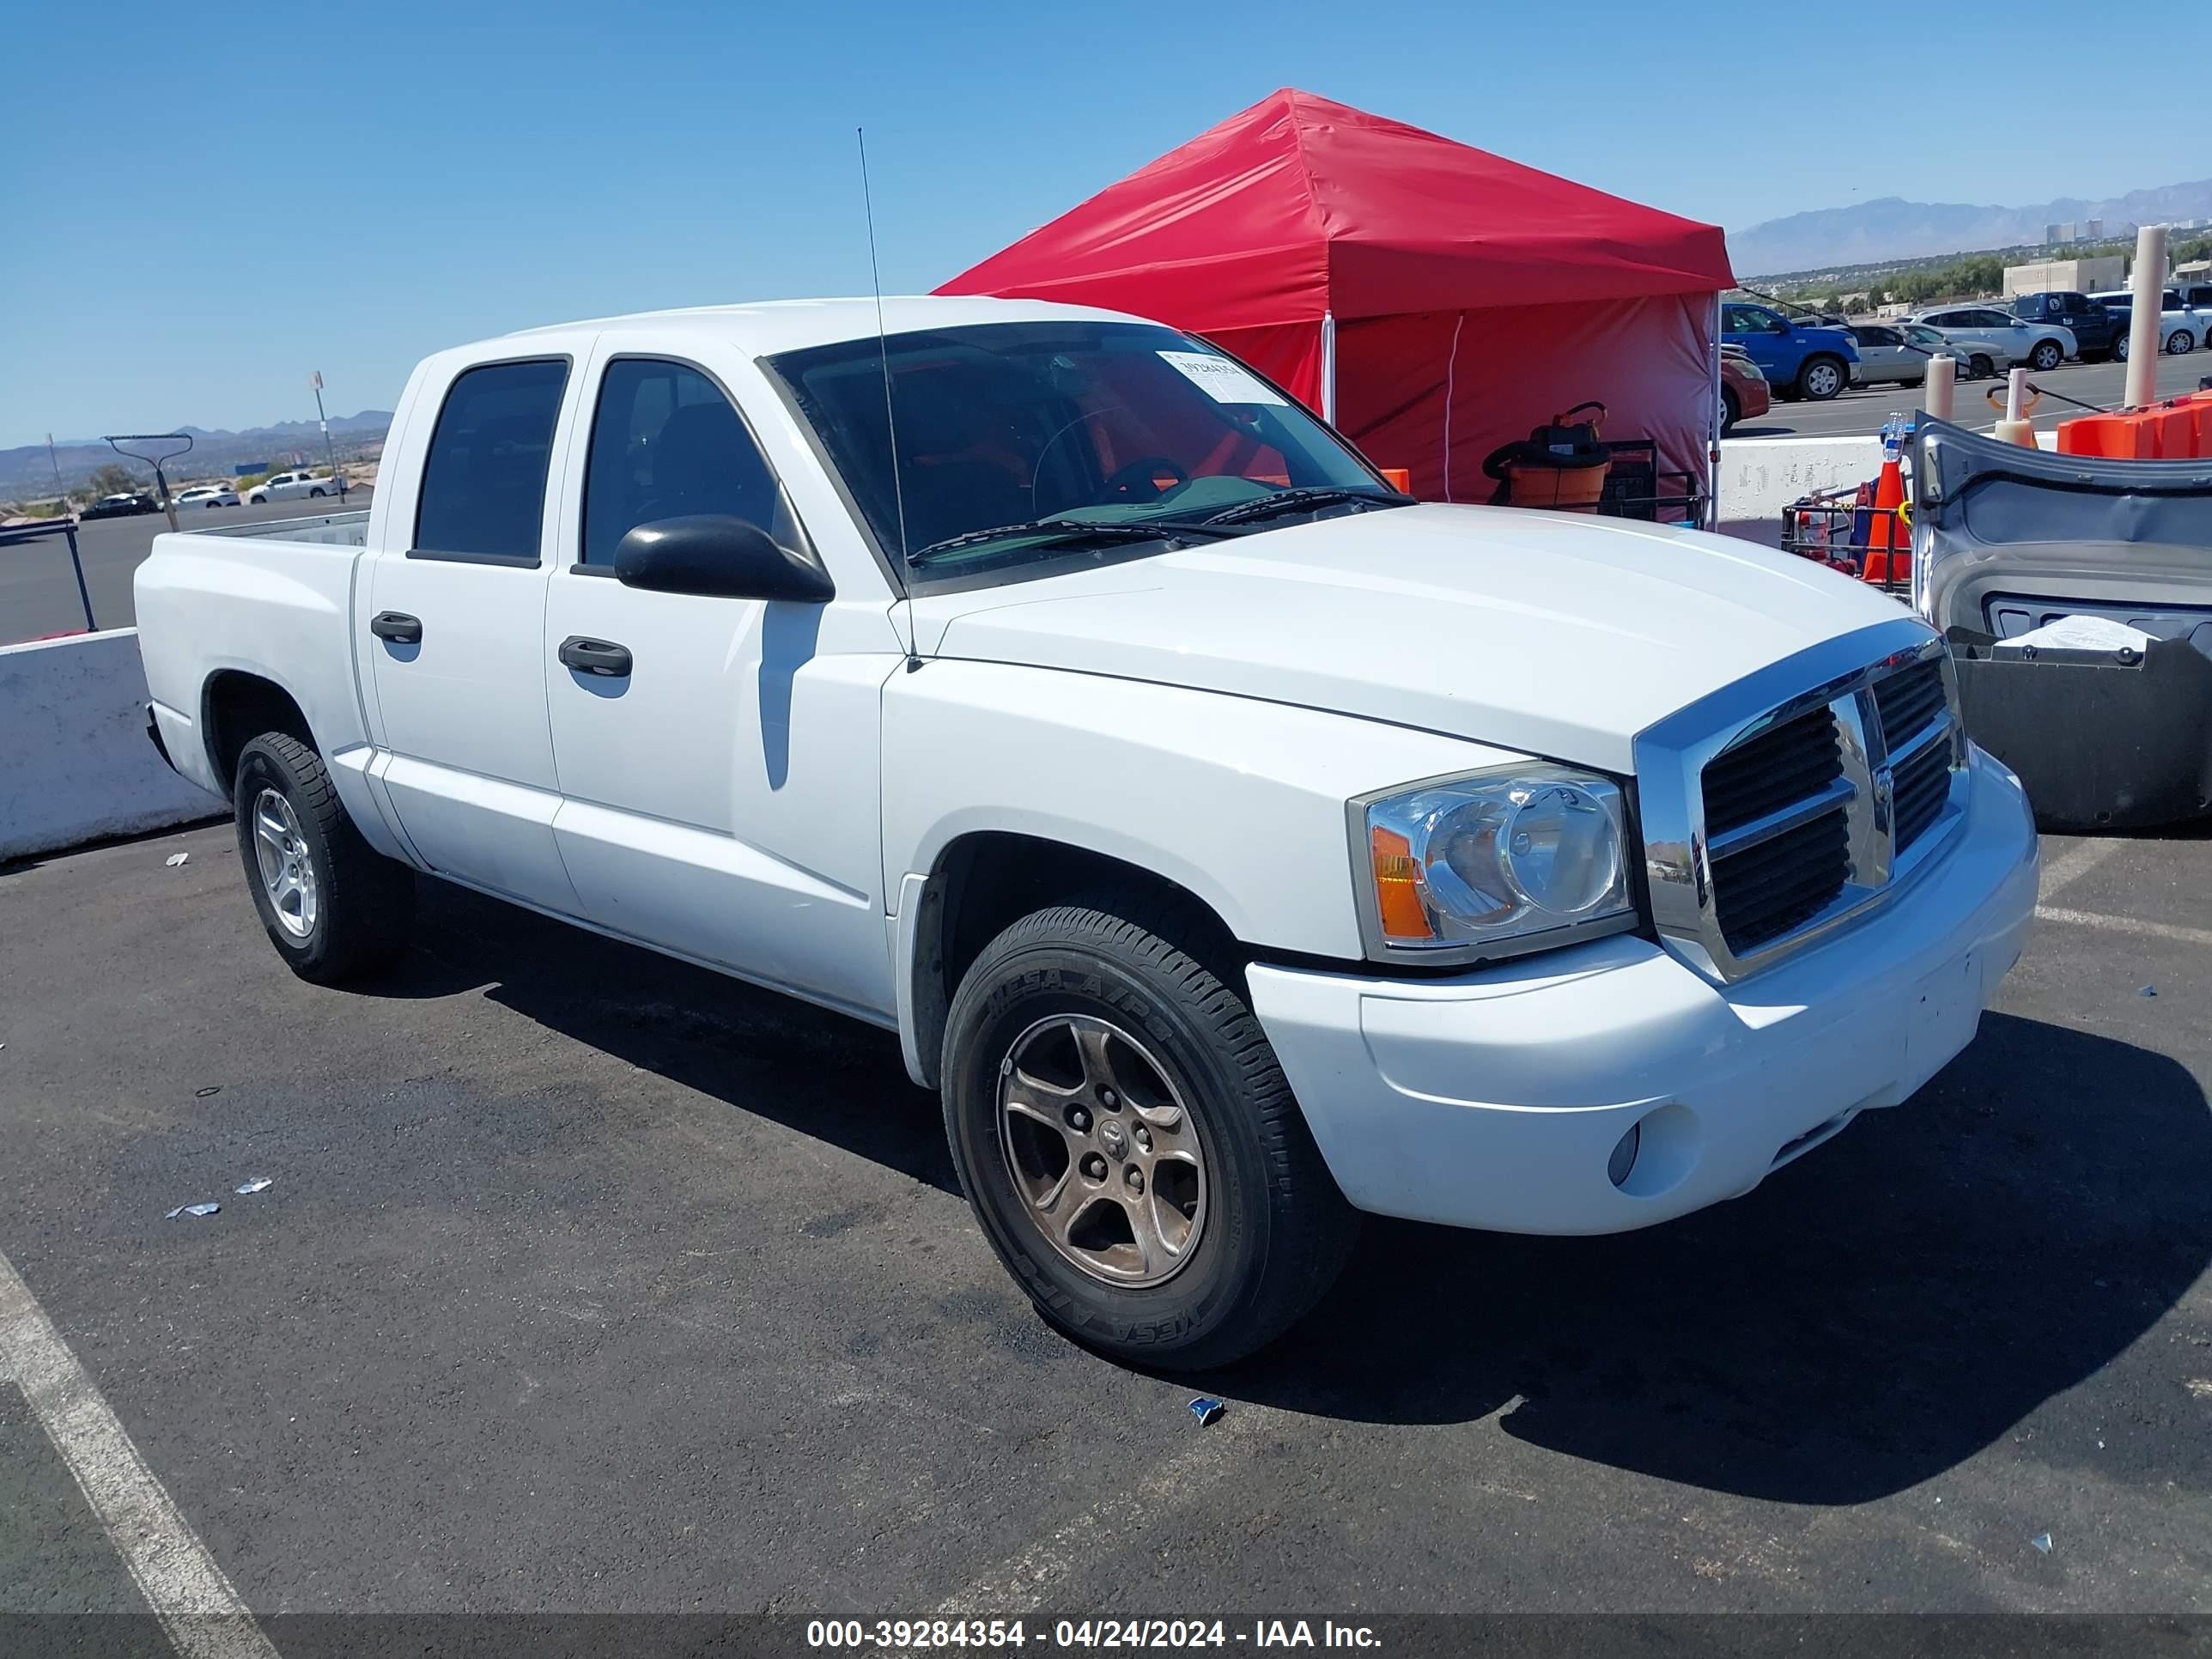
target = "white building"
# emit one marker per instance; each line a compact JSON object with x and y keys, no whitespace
{"x":2065,"y":276}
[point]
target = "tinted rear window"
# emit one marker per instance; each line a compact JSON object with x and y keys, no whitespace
{"x":483,"y":486}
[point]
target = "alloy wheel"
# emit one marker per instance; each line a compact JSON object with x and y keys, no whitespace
{"x":1104,"y":1155}
{"x":288,"y":870}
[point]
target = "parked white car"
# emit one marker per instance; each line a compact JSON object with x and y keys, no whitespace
{"x":206,"y":496}
{"x":1990,"y":340}
{"x":2181,"y":328}
{"x":1236,"y":844}
{"x":292,"y":486}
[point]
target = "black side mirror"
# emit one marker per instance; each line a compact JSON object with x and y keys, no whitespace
{"x":1779,"y":325}
{"x":715,"y":556}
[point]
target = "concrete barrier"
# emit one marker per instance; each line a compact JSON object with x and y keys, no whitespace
{"x":75,"y":764}
{"x":1760,"y":476}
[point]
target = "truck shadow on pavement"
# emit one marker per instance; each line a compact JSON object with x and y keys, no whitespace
{"x":1866,"y":1319}
{"x":820,"y":1073}
{"x":1869,"y":1317}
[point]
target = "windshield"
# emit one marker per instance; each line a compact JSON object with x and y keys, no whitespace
{"x":1069,"y":436}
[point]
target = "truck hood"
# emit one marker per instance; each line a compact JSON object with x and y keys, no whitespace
{"x":1553,"y":634}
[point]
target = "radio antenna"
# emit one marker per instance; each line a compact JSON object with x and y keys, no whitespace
{"x":891,"y":417}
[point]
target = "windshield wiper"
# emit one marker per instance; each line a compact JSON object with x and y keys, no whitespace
{"x":1112,"y":531}
{"x":1291,"y":501}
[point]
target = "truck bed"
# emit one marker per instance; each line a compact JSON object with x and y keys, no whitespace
{"x":274,"y":600}
{"x":327,"y":529}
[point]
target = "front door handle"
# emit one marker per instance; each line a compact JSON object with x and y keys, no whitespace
{"x":397,"y":627}
{"x":602,"y":657}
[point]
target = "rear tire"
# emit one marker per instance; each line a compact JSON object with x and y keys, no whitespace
{"x":1098,"y":1012}
{"x":1821,"y":379}
{"x":333,"y":906}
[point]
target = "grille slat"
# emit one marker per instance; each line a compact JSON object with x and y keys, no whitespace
{"x":1763,"y":892}
{"x":1920,"y":787}
{"x":1908,"y":701}
{"x":1770,"y":796}
{"x":1797,"y":758}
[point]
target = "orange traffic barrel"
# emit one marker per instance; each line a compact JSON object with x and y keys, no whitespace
{"x":2177,"y":429}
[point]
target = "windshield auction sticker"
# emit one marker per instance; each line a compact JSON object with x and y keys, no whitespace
{"x":1219,"y":378}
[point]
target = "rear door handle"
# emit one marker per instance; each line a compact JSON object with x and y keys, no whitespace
{"x":397,"y":627}
{"x":596,"y":656}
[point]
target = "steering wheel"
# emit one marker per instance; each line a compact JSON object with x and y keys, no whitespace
{"x":1145,"y":469}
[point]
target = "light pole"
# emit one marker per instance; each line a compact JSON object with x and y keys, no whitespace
{"x":315,"y":379}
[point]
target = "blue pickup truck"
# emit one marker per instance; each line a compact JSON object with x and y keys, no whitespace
{"x":1800,"y":360}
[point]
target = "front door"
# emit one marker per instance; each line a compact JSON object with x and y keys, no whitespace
{"x":1751,"y":327}
{"x":720,"y":758}
{"x":455,"y":625}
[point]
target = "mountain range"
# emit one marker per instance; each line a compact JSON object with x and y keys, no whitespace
{"x":1891,"y":227}
{"x":27,"y":472}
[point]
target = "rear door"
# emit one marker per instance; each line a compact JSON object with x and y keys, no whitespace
{"x":456,"y":619}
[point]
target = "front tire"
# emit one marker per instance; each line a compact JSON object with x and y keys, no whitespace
{"x":333,"y":906}
{"x":2046,"y":355}
{"x":1129,"y":1143}
{"x":1731,"y":411}
{"x":1821,"y":379}
{"x":1983,"y":365}
{"x":2120,"y":348}
{"x":2180,"y":342}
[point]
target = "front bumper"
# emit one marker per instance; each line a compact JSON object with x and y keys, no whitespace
{"x":1496,"y":1099}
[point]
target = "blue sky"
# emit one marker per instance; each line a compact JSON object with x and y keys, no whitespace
{"x":500,"y":165}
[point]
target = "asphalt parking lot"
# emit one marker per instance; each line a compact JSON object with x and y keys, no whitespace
{"x":589,"y":1281}
{"x":1863,"y":411}
{"x":38,"y":591}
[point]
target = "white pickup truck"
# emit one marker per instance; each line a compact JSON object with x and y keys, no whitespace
{"x":1236,"y":844}
{"x":291,"y":486}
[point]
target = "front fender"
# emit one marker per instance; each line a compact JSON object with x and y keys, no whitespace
{"x":1240,"y":802}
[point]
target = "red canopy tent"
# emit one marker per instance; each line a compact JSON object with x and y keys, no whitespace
{"x":1432,"y":299}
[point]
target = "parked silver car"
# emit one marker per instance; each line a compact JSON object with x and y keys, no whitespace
{"x":1897,"y":353}
{"x":1991,"y":341}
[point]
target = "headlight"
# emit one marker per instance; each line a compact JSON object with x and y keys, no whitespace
{"x":1518,"y":859}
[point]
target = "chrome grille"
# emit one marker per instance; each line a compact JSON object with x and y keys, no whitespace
{"x":1775,"y":828}
{"x":1783,"y":806}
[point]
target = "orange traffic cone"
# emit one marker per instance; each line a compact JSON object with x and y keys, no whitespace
{"x":1888,"y":496}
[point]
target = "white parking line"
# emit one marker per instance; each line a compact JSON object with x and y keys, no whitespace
{"x":203,"y":1616}
{"x":2076,"y":862}
{"x":2124,"y":924}
{"x":1023,"y":1583}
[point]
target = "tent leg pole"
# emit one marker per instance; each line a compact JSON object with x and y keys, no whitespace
{"x":1712,"y":512}
{"x":1328,"y":367}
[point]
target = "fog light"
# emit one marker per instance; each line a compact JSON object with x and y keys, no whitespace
{"x":1624,"y":1155}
